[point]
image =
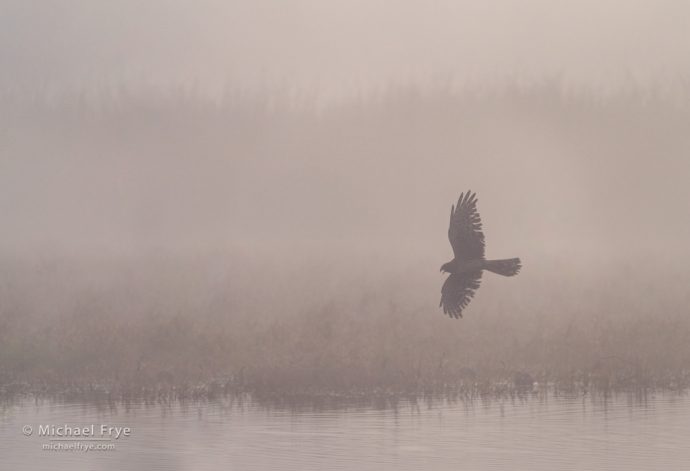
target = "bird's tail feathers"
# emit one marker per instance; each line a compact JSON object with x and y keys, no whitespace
{"x":507,"y":267}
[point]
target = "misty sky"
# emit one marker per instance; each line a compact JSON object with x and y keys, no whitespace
{"x":340,"y":46}
{"x":146,"y":171}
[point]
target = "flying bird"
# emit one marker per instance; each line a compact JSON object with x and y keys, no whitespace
{"x":466,"y":238}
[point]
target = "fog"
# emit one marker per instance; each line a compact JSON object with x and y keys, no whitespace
{"x":557,"y":175}
{"x":265,"y":187}
{"x":336,"y":48}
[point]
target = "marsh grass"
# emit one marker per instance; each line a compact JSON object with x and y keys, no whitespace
{"x":147,"y":337}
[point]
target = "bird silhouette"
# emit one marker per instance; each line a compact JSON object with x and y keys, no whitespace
{"x":467,"y":239}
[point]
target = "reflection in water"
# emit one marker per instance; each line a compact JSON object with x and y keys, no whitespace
{"x":533,"y":433}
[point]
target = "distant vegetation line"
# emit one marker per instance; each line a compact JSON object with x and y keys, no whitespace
{"x":179,"y":331}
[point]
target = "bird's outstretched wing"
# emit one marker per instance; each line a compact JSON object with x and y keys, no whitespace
{"x":457,"y":292}
{"x":465,"y":230}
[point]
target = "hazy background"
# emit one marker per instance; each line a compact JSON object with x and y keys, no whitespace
{"x":340,"y":47}
{"x":141,"y":61}
{"x":214,"y":172}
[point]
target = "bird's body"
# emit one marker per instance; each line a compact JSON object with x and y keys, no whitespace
{"x":458,"y":266}
{"x":467,"y":239}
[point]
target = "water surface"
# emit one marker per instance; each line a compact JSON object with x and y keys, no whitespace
{"x":624,"y":432}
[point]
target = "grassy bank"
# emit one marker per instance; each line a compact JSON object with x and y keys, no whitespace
{"x":161,"y":327}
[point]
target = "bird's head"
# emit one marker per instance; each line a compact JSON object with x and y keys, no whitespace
{"x":445,"y":268}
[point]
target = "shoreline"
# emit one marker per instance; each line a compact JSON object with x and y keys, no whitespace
{"x":374,"y":396}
